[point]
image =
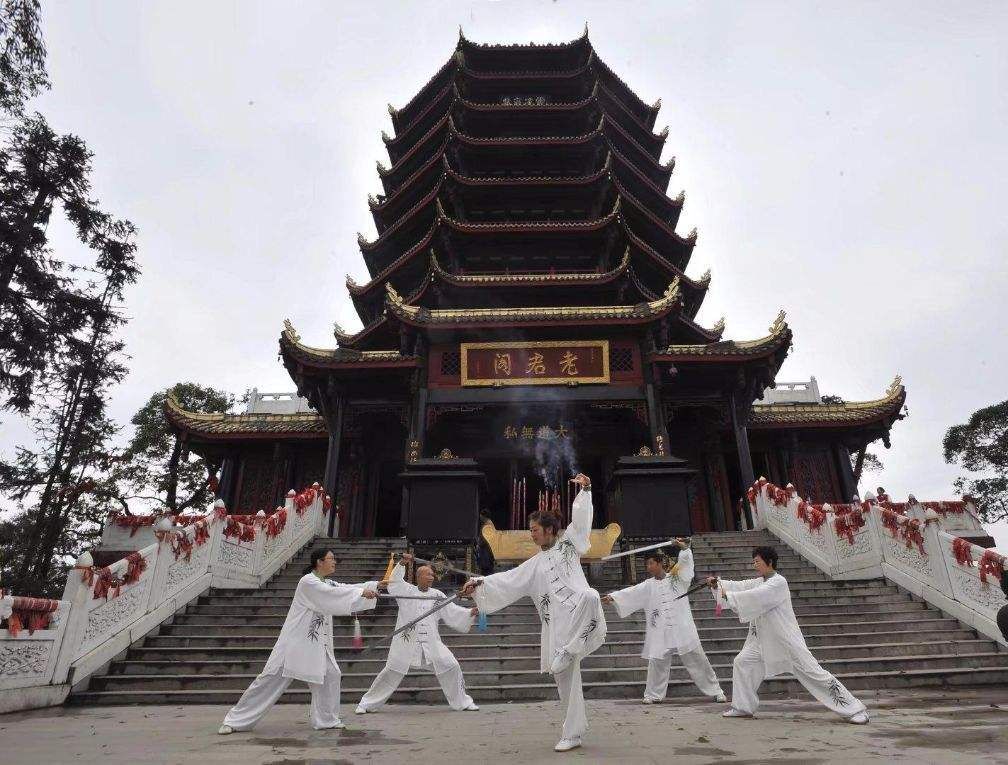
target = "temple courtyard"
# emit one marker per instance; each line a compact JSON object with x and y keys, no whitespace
{"x":922,"y":726}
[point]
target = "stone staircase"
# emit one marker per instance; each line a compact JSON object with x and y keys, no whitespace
{"x":870,"y":634}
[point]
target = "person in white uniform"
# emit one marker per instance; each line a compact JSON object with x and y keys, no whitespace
{"x":420,"y":646}
{"x":775,"y":644}
{"x":570,"y":611}
{"x":669,"y":627}
{"x":304,"y":650}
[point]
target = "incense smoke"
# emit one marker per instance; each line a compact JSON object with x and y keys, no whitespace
{"x":555,"y":458}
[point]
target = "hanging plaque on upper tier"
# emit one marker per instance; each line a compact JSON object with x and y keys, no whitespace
{"x":535,"y":363}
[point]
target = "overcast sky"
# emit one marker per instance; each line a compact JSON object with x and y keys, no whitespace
{"x":845,"y":161}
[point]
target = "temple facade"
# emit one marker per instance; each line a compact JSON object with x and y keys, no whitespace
{"x":530,"y":312}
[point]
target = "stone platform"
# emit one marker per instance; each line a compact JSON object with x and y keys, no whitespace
{"x":921,"y":726}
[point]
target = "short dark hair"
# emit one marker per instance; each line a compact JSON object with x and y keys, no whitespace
{"x":316,"y":556}
{"x":767,"y":553}
{"x":657,"y":556}
{"x":546,"y":519}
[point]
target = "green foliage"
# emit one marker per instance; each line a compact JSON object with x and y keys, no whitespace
{"x":22,"y":54}
{"x":980,"y":446}
{"x":156,"y":466}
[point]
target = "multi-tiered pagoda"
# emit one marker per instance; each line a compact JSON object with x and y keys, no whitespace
{"x":527,"y":272}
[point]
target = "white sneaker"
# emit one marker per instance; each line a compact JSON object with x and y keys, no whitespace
{"x":225,"y":730}
{"x":360,"y":711}
{"x":566,"y":744}
{"x":720,"y":698}
{"x":861,"y":718}
{"x":340,"y":725}
{"x":471,"y":708}
{"x":560,"y":663}
{"x":733,"y":712}
{"x":648,"y":701}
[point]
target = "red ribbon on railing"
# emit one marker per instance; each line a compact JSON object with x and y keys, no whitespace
{"x":135,"y":566}
{"x":910,"y":530}
{"x":891,"y":522}
{"x":276,"y":522}
{"x":847,"y":521}
{"x":812,"y":515}
{"x":962,"y":549}
{"x":105,"y":583}
{"x":182,"y":546}
{"x":33,"y":613}
{"x":945,"y":507}
{"x":201,"y":533}
{"x":991,"y":564}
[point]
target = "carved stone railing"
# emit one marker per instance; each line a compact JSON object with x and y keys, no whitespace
{"x":105,"y":610}
{"x":903,"y":542}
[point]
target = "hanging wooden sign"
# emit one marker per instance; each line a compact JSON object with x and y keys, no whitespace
{"x":550,"y":362}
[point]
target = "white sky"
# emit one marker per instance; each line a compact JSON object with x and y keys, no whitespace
{"x":845,"y":161}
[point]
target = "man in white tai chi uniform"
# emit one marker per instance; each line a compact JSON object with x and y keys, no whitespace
{"x":669,"y":625}
{"x":573,"y":624}
{"x":775,"y":644}
{"x":420,"y":646}
{"x":304,"y":650}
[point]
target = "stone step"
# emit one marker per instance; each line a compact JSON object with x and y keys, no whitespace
{"x":812,"y":589}
{"x":927,"y":630}
{"x":226,"y":663}
{"x":874,"y":604}
{"x":354,"y":681}
{"x":409,"y":693}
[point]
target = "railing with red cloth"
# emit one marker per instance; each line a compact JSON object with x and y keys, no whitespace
{"x":31,"y":614}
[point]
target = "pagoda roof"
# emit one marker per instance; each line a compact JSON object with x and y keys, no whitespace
{"x":230,"y":427}
{"x":848,"y":414}
{"x":778,"y":339}
{"x":556,"y":315}
{"x":450,"y":101}
{"x":528,"y":279}
{"x":342,"y":357}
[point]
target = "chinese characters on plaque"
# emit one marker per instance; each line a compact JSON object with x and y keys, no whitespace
{"x":535,"y":363}
{"x":529,"y":432}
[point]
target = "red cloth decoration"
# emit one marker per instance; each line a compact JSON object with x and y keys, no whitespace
{"x":812,"y":515}
{"x":232,"y":528}
{"x":275,"y":523}
{"x":201,"y":533}
{"x":946,"y":507}
{"x":247,"y":533}
{"x":35,"y":613}
{"x":910,"y":530}
{"x":105,"y":583}
{"x":182,"y":546}
{"x":326,"y":504}
{"x":891,"y":522}
{"x":847,"y":521}
{"x":962,"y":549}
{"x":132,"y":522}
{"x":135,"y":566}
{"x":220,"y":512}
{"x":991,"y":564}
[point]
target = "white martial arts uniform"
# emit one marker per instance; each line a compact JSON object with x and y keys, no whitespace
{"x":775,"y":645}
{"x":304,"y":651}
{"x":420,"y":647}
{"x":570,"y":610}
{"x":669,"y":629}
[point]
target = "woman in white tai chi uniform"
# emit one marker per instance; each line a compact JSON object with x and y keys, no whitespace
{"x":669,"y":628}
{"x":304,"y":649}
{"x":573,"y":624}
{"x":775,"y":644}
{"x":420,"y":646}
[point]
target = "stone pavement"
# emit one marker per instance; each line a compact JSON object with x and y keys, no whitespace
{"x":956,"y":726}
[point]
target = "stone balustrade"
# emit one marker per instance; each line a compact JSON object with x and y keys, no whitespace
{"x":105,"y":610}
{"x":910,"y":543}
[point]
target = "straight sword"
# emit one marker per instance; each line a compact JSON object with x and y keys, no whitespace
{"x":408,"y":597}
{"x":693,"y":589}
{"x":420,"y":618}
{"x":614,"y":556}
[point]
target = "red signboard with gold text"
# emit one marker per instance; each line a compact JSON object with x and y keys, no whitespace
{"x":535,"y":363}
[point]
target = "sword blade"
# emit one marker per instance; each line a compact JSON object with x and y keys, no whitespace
{"x":408,"y":597}
{"x":693,"y":589}
{"x":420,"y":618}
{"x":614,"y":556}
